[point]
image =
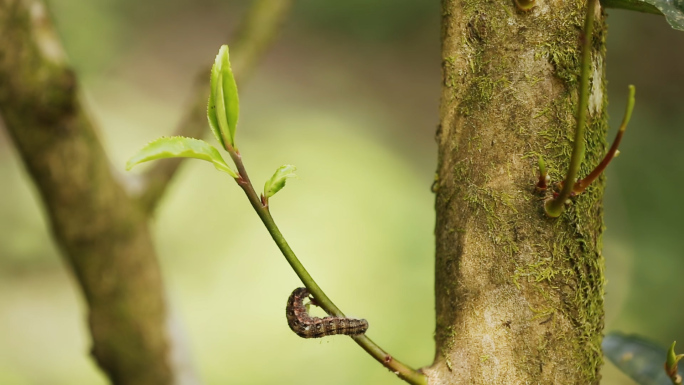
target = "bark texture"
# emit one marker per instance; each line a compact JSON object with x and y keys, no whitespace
{"x":519,"y":296}
{"x":101,"y":229}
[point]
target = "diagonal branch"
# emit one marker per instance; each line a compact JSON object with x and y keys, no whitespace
{"x":101,"y":230}
{"x":252,"y":39}
{"x":102,"y":233}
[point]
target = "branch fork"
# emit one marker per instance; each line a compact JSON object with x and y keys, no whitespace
{"x":572,"y":186}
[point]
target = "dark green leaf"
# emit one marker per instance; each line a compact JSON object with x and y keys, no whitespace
{"x":672,"y":9}
{"x":631,"y":5}
{"x":640,"y":359}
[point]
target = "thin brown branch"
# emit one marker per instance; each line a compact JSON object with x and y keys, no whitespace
{"x":253,"y":37}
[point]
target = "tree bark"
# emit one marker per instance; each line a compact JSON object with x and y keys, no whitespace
{"x":101,"y":229}
{"x":519,"y":296}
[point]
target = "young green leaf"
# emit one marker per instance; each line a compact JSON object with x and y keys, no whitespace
{"x":671,"y":363}
{"x":544,"y":177}
{"x":223,"y":108}
{"x":525,"y":5}
{"x":277,"y":181}
{"x":180,"y":147}
{"x":211,"y":109}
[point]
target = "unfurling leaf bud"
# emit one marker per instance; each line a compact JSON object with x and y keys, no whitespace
{"x":277,"y":181}
{"x":224,"y":107}
{"x":671,"y":364}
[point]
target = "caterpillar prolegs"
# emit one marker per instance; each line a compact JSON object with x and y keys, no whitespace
{"x":306,"y":326}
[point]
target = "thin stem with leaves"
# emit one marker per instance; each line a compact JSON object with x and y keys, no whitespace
{"x":222,"y":113}
{"x":400,"y":369}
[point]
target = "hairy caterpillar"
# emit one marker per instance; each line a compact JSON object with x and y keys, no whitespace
{"x":306,"y":326}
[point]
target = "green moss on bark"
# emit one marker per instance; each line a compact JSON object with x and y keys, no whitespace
{"x":512,"y":285}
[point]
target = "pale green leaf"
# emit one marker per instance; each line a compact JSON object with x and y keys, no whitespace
{"x":231,"y":100}
{"x":180,"y":147}
{"x":640,"y":359}
{"x":211,"y":105}
{"x":223,"y":108}
{"x":277,"y":181}
{"x":221,"y":112}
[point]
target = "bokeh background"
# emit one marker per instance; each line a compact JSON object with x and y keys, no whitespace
{"x":349,"y":93}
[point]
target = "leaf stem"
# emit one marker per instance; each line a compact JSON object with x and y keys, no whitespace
{"x":255,"y":34}
{"x":671,"y":365}
{"x":582,"y":184}
{"x":554,"y":207}
{"x":404,"y":372}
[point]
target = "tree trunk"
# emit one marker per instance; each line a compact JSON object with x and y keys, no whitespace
{"x":102,"y":232}
{"x":101,"y":229}
{"x":519,"y":296}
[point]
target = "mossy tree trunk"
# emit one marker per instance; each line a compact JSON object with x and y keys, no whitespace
{"x":98,"y":221}
{"x":102,"y":232}
{"x":519,"y":296}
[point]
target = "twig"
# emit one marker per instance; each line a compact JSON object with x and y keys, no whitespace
{"x":555,"y":207}
{"x":102,"y":234}
{"x":671,"y":365}
{"x":572,"y":186}
{"x":582,"y":184}
{"x":400,"y":369}
{"x":253,"y":37}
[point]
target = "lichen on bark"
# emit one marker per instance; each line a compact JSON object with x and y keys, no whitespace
{"x":519,"y":296}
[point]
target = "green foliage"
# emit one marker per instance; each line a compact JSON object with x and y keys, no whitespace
{"x":640,"y":359}
{"x":631,"y":5}
{"x":277,"y":181}
{"x":672,"y":9}
{"x":542,"y":166}
{"x":180,"y":147}
{"x":671,"y":363}
{"x":224,"y":106}
{"x":222,"y":111}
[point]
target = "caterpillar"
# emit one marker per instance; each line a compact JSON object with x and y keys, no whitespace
{"x":306,"y":326}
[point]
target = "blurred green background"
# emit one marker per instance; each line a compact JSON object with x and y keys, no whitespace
{"x":349,"y":94}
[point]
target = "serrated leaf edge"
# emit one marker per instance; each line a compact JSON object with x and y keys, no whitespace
{"x":218,"y":161}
